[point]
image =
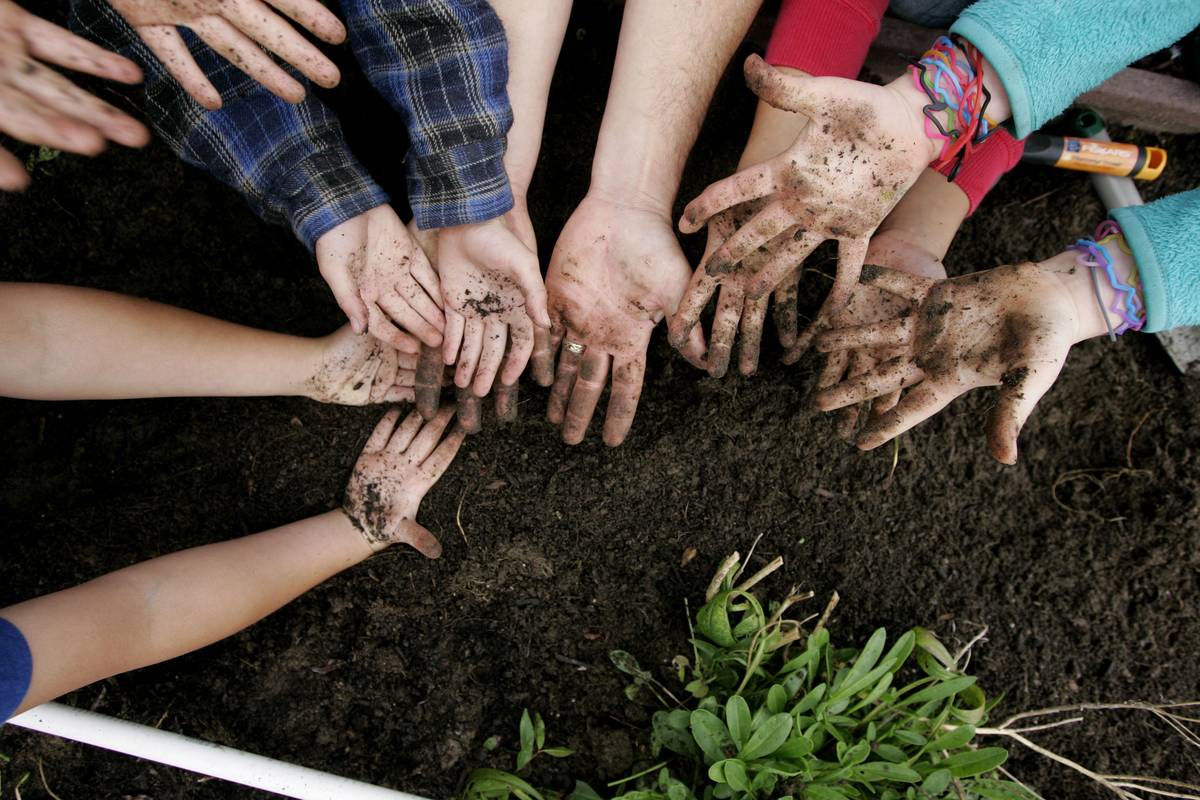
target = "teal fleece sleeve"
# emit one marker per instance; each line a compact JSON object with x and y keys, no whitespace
{"x":1048,"y":52}
{"x":1165,"y":239}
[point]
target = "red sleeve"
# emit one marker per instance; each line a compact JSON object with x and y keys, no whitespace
{"x":827,"y":38}
{"x":999,"y":153}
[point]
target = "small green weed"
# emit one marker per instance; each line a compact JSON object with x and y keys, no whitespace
{"x":774,"y":710}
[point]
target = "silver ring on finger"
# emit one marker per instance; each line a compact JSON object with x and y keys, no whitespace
{"x":573,"y":347}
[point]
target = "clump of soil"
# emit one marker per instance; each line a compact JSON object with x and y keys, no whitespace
{"x":1084,"y":566}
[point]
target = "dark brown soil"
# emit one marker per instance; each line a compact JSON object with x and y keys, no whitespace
{"x":397,"y":671}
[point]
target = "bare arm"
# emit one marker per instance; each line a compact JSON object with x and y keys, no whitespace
{"x":669,"y":59}
{"x":168,"y":606}
{"x":68,"y":343}
{"x":535,"y":31}
{"x":174,"y":604}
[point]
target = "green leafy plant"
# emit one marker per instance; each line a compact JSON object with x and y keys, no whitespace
{"x":494,"y":783}
{"x":768,"y":707}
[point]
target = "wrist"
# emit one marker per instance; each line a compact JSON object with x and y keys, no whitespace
{"x":347,"y":534}
{"x":1093,"y":315}
{"x":914,"y":101}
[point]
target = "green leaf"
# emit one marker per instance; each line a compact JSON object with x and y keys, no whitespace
{"x":539,"y":730}
{"x":527,"y":741}
{"x":901,"y":650}
{"x":909,"y":737}
{"x":1000,"y":790}
{"x":867,"y":659}
{"x":939,"y":691}
{"x":972,"y":705}
{"x":491,"y":743}
{"x":713,"y":620}
{"x":855,"y":755}
{"x":954,"y":739}
{"x":936,"y":782}
{"x":930,"y":644}
{"x":777,"y":698}
{"x":891,"y":753}
{"x":625,"y":662}
{"x":711,"y":735}
{"x":558,"y":752}
{"x":735,"y":775}
{"x":824,"y":793}
{"x":737,"y":718}
{"x":767,"y":739}
{"x":670,"y":730}
{"x":794,"y":749}
{"x":885,"y":771}
{"x":583,"y":792}
{"x":975,"y":762}
{"x":492,"y":780}
{"x":810,"y":700}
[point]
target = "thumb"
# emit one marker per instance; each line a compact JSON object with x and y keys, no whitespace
{"x":420,"y":539}
{"x":525,"y":270}
{"x":1020,"y":390}
{"x":787,"y":92}
{"x":345,"y":292}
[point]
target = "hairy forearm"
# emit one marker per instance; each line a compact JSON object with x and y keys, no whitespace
{"x":168,"y":606}
{"x":68,"y":343}
{"x":535,"y":30}
{"x":669,"y":59}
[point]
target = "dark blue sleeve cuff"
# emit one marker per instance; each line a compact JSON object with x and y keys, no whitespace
{"x":16,"y":668}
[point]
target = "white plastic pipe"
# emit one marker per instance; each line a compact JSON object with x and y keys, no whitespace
{"x":195,"y":755}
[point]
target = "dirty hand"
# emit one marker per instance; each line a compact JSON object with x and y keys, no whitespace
{"x":736,"y":310}
{"x":40,"y":106}
{"x":616,"y":272}
{"x":238,"y":30}
{"x":382,"y":280}
{"x":354,"y":370}
{"x":1010,"y":327}
{"x":865,"y":145}
{"x":398,"y":465}
{"x":869,"y":304}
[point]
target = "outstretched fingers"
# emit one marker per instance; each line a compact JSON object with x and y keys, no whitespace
{"x":905,"y":285}
{"x":724,"y":330}
{"x":918,"y":405}
{"x":382,"y":433}
{"x":564,"y":381}
{"x":740,"y":187}
{"x":783,"y":263}
{"x":889,"y":333}
{"x":754,"y":314}
{"x":691,"y":306}
{"x":170,"y":49}
{"x":1020,"y":390}
{"x":889,"y":376}
{"x":50,"y":43}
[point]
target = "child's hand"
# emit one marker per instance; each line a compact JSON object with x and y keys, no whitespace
{"x":865,"y":145}
{"x":1010,"y":327}
{"x":397,"y":467}
{"x":870,"y":304}
{"x":237,"y":29}
{"x":356,"y":370}
{"x":40,"y":106}
{"x":736,"y":311}
{"x":493,"y":289}
{"x":382,"y":280}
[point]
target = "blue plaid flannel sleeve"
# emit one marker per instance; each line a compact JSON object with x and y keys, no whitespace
{"x":443,"y":64}
{"x":291,"y":162}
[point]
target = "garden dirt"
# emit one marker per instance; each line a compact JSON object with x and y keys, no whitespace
{"x":1082,"y":560}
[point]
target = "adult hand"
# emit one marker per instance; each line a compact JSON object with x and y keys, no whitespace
{"x":869,"y":304}
{"x":865,"y":145}
{"x":736,"y":311}
{"x":397,"y":467}
{"x":1009,"y":327}
{"x":381,"y":279}
{"x":354,"y":370}
{"x":40,"y":106}
{"x":616,"y":272}
{"x":237,"y":29}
